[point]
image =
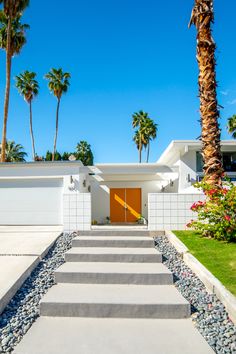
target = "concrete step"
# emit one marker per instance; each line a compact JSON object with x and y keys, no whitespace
{"x":114,"y":273}
{"x":124,"y":232}
{"x":121,"y":301}
{"x":113,"y":241}
{"x":51,"y":335}
{"x":113,"y":254}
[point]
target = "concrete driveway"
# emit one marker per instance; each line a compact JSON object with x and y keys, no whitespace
{"x":21,"y":248}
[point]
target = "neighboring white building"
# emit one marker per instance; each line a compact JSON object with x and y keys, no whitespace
{"x":70,"y":194}
{"x":185,"y":158}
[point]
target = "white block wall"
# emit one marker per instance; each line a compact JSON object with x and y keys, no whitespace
{"x":76,"y":211}
{"x":171,"y":211}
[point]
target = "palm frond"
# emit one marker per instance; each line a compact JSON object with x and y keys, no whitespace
{"x":58,"y":81}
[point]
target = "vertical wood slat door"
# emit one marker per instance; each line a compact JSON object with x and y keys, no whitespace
{"x":117,"y":205}
{"x":125,"y":204}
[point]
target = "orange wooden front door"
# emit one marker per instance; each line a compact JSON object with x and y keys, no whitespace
{"x":133,"y":204}
{"x":125,"y":204}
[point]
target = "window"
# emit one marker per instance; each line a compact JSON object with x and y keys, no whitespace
{"x":199,"y":162}
{"x":229,"y":161}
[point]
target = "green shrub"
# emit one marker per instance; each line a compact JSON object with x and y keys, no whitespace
{"x":217,"y":214}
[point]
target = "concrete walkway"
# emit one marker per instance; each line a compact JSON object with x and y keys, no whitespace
{"x":21,"y":248}
{"x":109,"y":302}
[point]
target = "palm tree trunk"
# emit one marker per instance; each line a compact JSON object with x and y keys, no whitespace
{"x":7,"y":91}
{"x":148,"y":151}
{"x":140,"y":145}
{"x":31,"y":131}
{"x":203,"y":17}
{"x":140,"y":152}
{"x":55,"y":138}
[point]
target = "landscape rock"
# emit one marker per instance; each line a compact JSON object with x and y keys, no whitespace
{"x":208,"y":313}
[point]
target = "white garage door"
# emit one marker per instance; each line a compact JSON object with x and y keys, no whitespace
{"x":31,"y":202}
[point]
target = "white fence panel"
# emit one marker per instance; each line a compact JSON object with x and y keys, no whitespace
{"x":171,"y":211}
{"x":76,"y":211}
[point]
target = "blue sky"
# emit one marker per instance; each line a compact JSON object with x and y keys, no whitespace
{"x":123,"y":56}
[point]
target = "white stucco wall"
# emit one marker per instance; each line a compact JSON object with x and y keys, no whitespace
{"x":101,"y":196}
{"x":187,"y":166}
{"x":76,"y":211}
{"x":171,"y":211}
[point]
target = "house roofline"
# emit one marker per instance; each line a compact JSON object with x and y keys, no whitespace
{"x":41,"y":164}
{"x":185,"y":144}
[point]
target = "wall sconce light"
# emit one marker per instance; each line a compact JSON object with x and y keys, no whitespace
{"x":84,"y":183}
{"x":171,"y":183}
{"x":72,"y":184}
{"x":188,"y":178}
{"x":89,"y":189}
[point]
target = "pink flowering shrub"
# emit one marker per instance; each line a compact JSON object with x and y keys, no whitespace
{"x":217,"y":214}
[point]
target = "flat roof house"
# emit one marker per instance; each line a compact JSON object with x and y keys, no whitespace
{"x":120,"y":191}
{"x":70,"y":194}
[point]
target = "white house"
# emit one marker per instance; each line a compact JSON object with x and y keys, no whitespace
{"x":44,"y":193}
{"x":70,"y":194}
{"x":184,"y":156}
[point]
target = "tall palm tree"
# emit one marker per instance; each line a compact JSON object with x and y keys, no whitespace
{"x":232,"y":126}
{"x":150,"y":132}
{"x":28,"y":87}
{"x":58,"y":84}
{"x":140,"y":141}
{"x":139,"y":119}
{"x":84,"y":153}
{"x":14,"y":152}
{"x":12,"y":40}
{"x":202,"y":17}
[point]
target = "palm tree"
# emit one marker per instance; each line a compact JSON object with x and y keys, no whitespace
{"x":14,"y":152}
{"x":202,"y":17}
{"x":58,"y":84}
{"x":84,"y":153}
{"x":28,"y":87}
{"x":140,"y":140}
{"x":232,"y":126}
{"x":150,"y":133}
{"x":139,"y":119}
{"x":12,"y":39}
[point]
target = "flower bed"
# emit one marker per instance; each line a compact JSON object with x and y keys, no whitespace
{"x":216,"y":215}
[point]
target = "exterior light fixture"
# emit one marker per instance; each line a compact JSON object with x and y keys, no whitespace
{"x":71,"y":186}
{"x":84,"y":183}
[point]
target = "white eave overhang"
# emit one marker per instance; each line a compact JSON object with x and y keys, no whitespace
{"x":41,"y":169}
{"x":130,"y":169}
{"x":178,"y":148}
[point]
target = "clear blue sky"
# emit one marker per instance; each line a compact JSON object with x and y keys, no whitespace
{"x":123,"y":56}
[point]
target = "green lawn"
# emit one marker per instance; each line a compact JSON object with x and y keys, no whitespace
{"x":217,"y":256}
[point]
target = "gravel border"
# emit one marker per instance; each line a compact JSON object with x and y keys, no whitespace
{"x":23,"y":309}
{"x":208,"y":313}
